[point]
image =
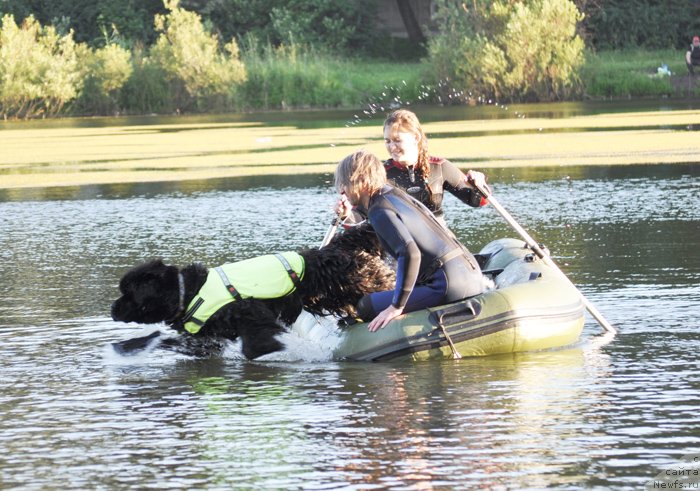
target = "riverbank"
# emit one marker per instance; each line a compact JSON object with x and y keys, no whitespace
{"x":36,"y":156}
{"x":635,"y":74}
{"x":294,"y":79}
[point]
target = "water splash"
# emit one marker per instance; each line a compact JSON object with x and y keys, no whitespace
{"x":403,"y":95}
{"x":311,"y":339}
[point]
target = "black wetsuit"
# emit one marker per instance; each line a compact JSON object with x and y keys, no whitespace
{"x":444,"y":176}
{"x":432,"y":266}
{"x":694,"y":58}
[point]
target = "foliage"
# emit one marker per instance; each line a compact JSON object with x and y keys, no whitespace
{"x":526,"y":50}
{"x":634,"y":24}
{"x":191,"y":59}
{"x":341,"y":25}
{"x":288,"y":76}
{"x":39,"y":69}
{"x":147,"y":90}
{"x":335,"y":26}
{"x":630,"y":73}
{"x":292,"y":76}
{"x":503,"y":50}
{"x":89,"y":19}
{"x":107,"y":71}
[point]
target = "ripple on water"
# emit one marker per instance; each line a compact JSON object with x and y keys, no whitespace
{"x":76,"y":416}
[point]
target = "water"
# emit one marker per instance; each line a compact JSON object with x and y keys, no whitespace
{"x":76,"y":416}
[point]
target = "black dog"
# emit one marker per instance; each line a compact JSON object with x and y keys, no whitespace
{"x":333,"y":281}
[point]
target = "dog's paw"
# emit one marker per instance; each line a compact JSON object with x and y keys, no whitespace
{"x":136,"y":345}
{"x":253,"y":348}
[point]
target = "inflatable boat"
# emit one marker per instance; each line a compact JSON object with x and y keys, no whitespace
{"x":532,"y":307}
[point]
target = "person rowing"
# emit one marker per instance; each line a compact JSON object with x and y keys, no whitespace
{"x":412,"y":169}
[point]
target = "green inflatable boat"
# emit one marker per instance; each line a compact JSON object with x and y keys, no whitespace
{"x":532,"y":307}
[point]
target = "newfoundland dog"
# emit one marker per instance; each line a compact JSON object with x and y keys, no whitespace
{"x":254,"y":299}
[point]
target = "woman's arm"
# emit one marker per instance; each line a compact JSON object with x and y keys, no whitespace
{"x":459,"y":185}
{"x":399,"y":240}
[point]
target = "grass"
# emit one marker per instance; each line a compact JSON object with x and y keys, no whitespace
{"x":618,"y":74}
{"x":293,"y":78}
{"x":284,"y":78}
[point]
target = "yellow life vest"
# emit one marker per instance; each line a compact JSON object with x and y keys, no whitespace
{"x":268,"y":276}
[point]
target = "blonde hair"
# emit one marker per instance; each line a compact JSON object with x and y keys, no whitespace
{"x":360,"y":171}
{"x":405,"y":120}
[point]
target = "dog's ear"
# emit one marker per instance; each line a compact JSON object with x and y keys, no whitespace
{"x":156,"y":269}
{"x":155,"y":265}
{"x":152,"y":270}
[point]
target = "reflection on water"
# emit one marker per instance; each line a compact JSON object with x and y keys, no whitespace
{"x":76,"y":416}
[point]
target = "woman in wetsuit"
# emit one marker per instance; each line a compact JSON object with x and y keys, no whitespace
{"x":412,"y":169}
{"x":432,"y":266}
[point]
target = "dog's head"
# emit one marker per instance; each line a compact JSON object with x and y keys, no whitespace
{"x":150,"y":293}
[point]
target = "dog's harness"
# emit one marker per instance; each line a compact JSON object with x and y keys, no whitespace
{"x":263,"y":277}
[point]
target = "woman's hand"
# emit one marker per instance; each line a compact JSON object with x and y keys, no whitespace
{"x":343,"y":207}
{"x":384,"y":317}
{"x":476,"y":179}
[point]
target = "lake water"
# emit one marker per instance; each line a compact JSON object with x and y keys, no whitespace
{"x":76,"y":416}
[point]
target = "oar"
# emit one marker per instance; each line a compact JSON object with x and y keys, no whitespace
{"x":543,"y":255}
{"x":330,"y":232}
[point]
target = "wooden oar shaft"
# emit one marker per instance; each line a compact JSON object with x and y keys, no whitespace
{"x":545,"y":257}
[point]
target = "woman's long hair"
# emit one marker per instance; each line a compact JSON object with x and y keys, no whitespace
{"x":405,"y":120}
{"x":360,"y":170}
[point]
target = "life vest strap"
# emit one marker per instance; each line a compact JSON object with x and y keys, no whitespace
{"x":190,"y":313}
{"x":292,"y":274}
{"x":231,"y":289}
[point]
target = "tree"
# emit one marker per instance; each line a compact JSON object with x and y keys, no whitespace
{"x":338,"y":26}
{"x":652,"y":24}
{"x":191,"y":58}
{"x":507,"y":49}
{"x":89,"y":19}
{"x":40,"y":70}
{"x":107,"y":70}
{"x":415,"y":34}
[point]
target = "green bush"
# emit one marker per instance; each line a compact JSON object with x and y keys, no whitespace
{"x":508,"y":50}
{"x":40,"y":70}
{"x":200,"y":73}
{"x":147,"y":90}
{"x":108,"y":70}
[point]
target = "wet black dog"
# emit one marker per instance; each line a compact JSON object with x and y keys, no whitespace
{"x":334,"y":280}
